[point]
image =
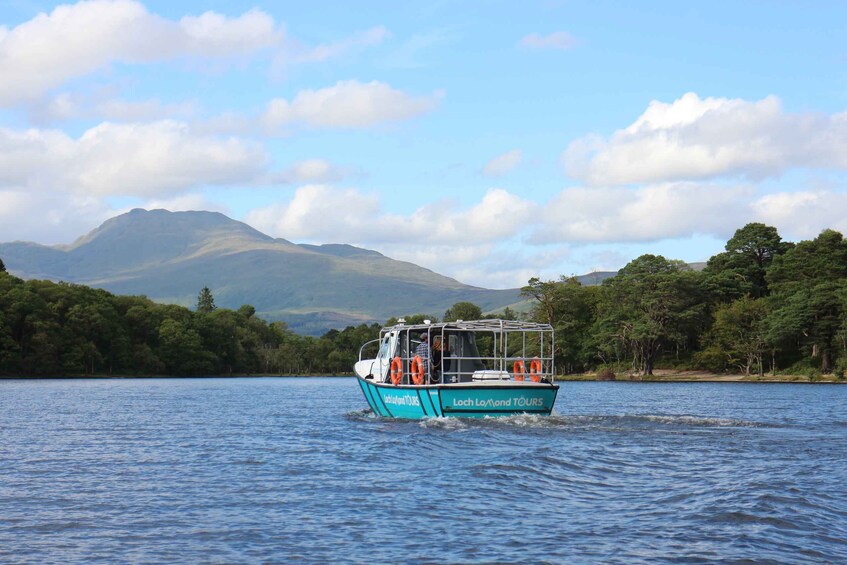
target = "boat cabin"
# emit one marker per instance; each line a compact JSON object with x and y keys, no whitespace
{"x":460,"y":352}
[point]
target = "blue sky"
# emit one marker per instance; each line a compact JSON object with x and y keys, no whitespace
{"x":489,"y":141}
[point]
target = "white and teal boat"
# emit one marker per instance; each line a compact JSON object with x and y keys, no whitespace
{"x":475,"y":369}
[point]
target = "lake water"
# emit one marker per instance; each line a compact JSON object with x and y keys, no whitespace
{"x":280,"y":470}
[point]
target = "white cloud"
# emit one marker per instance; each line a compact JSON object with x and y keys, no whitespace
{"x":327,"y":214}
{"x":161,"y":157}
{"x":78,"y":39}
{"x":215,"y":35}
{"x":126,"y":159}
{"x":557,"y":40}
{"x":348,"y":104}
{"x":61,"y":217}
{"x":312,"y":171}
{"x":650,"y":213}
{"x":320,"y":213}
{"x":803,"y":214}
{"x":503,"y":164}
{"x":695,"y":138}
{"x":438,"y":236}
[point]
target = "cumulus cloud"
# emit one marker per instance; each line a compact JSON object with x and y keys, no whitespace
{"x":803,"y":214}
{"x":321,"y":213}
{"x":503,"y":164}
{"x":78,"y":39}
{"x":329,"y":214}
{"x":126,"y":159}
{"x":650,"y":213}
{"x":348,"y":104}
{"x":215,"y":35}
{"x":694,"y":138}
{"x":312,"y":171}
{"x":62,"y":217}
{"x":588,"y":228}
{"x":561,"y":40}
{"x":441,"y":235}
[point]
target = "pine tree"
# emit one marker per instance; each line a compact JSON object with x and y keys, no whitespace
{"x":205,"y":301}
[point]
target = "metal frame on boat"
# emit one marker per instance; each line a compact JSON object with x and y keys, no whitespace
{"x":479,"y":368}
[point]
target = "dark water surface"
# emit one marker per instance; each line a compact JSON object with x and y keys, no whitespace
{"x":279,"y":470}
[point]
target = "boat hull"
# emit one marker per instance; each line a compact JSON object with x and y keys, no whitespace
{"x":467,"y":400}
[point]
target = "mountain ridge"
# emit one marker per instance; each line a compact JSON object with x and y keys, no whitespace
{"x":169,"y":256}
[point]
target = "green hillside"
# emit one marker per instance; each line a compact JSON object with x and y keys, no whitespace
{"x":168,"y":256}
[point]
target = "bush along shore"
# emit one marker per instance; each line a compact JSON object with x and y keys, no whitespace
{"x":762,"y":310}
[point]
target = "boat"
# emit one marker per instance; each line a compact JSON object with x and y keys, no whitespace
{"x":476,"y":369}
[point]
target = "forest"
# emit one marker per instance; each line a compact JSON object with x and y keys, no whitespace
{"x":762,"y":305}
{"x":58,"y":329}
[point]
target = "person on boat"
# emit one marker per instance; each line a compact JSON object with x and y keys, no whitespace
{"x":424,"y":353}
{"x":437,"y":350}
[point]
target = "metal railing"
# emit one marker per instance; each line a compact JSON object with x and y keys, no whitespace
{"x":503,"y":342}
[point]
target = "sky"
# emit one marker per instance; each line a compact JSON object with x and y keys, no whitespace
{"x":490,"y":141}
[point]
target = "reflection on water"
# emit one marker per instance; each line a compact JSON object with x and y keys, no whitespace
{"x":247,"y":470}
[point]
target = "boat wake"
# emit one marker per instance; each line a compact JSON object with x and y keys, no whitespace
{"x":620,"y":422}
{"x":364,"y":415}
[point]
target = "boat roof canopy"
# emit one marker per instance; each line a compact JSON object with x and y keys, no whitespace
{"x":474,"y":325}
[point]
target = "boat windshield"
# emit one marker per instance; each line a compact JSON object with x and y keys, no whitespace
{"x":384,"y":348}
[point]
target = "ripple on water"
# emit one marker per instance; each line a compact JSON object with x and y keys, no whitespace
{"x":272,"y":470}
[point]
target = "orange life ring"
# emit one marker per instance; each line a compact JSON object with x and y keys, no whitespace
{"x":519,"y":369}
{"x":417,"y":370}
{"x":535,"y":370}
{"x":396,"y":370}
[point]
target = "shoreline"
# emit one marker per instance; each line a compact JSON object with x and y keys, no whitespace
{"x":106,"y":377}
{"x":659,"y":376}
{"x":694,"y":376}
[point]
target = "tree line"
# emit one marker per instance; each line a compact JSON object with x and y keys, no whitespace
{"x":761,"y":305}
{"x":54,"y":329}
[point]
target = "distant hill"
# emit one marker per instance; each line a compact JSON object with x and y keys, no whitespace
{"x":170,"y":256}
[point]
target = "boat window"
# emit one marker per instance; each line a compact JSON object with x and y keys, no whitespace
{"x":385,"y":349}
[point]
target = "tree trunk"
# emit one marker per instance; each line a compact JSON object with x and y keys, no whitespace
{"x":649,"y":359}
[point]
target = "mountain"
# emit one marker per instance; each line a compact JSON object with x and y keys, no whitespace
{"x":170,"y":256}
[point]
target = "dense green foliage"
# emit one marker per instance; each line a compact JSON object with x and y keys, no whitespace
{"x":65,"y":329}
{"x":762,"y":305}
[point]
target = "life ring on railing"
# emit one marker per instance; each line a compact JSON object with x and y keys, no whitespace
{"x":396,"y":370}
{"x":416,"y":369}
{"x":519,"y":369}
{"x":535,"y":370}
